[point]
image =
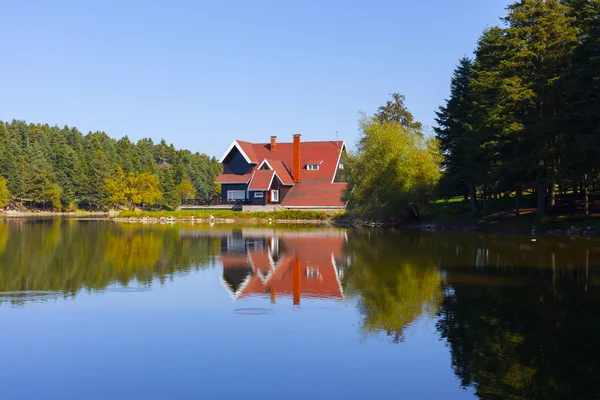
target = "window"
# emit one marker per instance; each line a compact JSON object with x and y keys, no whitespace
{"x":341,"y":166}
{"x":258,"y":194}
{"x":312,"y":167}
{"x":275,"y":196}
{"x":236,"y":195}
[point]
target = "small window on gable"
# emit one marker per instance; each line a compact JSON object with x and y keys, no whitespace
{"x":312,"y":167}
{"x":341,"y":166}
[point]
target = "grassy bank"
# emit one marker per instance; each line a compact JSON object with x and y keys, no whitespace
{"x":501,"y":216}
{"x":239,"y":216}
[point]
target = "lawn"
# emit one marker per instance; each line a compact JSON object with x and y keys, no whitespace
{"x":288,"y":215}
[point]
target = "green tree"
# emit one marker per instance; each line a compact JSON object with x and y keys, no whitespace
{"x":581,"y":121}
{"x":52,"y":194}
{"x":395,"y":111}
{"x":37,"y":178}
{"x":133,"y":189}
{"x":458,"y":141}
{"x":394,"y":171}
{"x":117,"y":186}
{"x":543,"y":38}
{"x":5,"y":196}
{"x":147,"y":187}
{"x":38,"y":161}
{"x":186,"y":189}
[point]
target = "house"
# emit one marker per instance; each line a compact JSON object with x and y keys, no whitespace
{"x":284,"y":265}
{"x":292,"y":175}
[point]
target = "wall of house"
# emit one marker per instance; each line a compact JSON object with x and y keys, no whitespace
{"x":235,"y":163}
{"x":231,"y":186}
{"x":276,"y":185}
{"x":341,"y":175}
{"x":257,"y":201}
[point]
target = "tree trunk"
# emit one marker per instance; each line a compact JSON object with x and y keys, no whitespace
{"x":518,"y":195}
{"x":586,"y":192}
{"x":473,"y":196}
{"x":552,"y":195}
{"x":541,"y":199}
{"x":484,"y":197}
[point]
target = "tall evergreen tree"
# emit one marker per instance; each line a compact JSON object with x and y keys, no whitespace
{"x":455,"y":132}
{"x":543,"y":39}
{"x":51,"y":166}
{"x":396,"y":111}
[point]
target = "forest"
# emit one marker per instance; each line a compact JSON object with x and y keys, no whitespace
{"x":524,"y":114}
{"x":522,"y":123}
{"x":48,"y":167}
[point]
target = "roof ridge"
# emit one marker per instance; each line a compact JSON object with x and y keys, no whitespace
{"x":304,"y":141}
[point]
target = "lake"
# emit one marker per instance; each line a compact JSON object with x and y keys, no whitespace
{"x":100,"y":310}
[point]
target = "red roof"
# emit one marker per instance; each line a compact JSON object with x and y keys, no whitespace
{"x":233,"y":178}
{"x":327,"y":152}
{"x":262,"y":180}
{"x":282,"y":172}
{"x":316,"y":188}
{"x":304,"y":195}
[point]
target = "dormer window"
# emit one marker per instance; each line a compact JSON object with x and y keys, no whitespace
{"x":312,"y":167}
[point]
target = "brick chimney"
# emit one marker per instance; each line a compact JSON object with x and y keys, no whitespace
{"x":273,"y":143}
{"x":296,"y":167}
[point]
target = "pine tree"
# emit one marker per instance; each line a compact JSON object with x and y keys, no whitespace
{"x":38,"y":182}
{"x":455,"y":132}
{"x":396,"y":110}
{"x":51,"y":166}
{"x":542,"y":38}
{"x":581,"y":122}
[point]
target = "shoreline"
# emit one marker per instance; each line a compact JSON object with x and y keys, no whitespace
{"x":72,"y":214}
{"x":253,"y":220}
{"x":357,"y":223}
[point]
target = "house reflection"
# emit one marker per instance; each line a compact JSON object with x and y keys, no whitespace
{"x":274,"y":264}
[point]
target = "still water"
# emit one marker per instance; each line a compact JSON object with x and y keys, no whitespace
{"x":100,"y":310}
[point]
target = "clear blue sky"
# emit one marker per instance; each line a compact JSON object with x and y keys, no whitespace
{"x":202,"y":73}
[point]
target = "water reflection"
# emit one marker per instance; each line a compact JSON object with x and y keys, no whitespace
{"x":295,"y":264}
{"x":520,"y":318}
{"x":38,"y":257}
{"x":397,"y":281}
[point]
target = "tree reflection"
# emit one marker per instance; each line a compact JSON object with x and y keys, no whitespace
{"x":397,"y":281}
{"x":3,"y":236}
{"x":525,"y":321}
{"x":66,"y":256}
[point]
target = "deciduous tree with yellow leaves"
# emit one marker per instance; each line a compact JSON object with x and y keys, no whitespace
{"x":133,"y":189}
{"x":395,"y":170}
{"x":4,"y":193}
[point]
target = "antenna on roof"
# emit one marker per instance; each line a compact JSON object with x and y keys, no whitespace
{"x":336,"y":138}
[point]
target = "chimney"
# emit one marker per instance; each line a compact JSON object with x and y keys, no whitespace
{"x":273,"y":143}
{"x":296,"y":167}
